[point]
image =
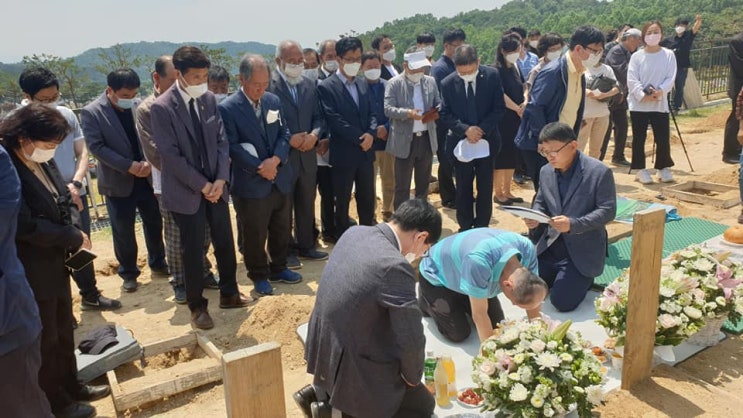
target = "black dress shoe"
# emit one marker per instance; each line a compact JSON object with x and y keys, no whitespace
{"x":321,"y":410}
{"x":329,"y":239}
{"x":130,"y":285}
{"x":449,"y":205}
{"x":506,"y":202}
{"x":313,"y":254}
{"x":99,"y":303}
{"x":730,"y":159}
{"x":90,"y":393}
{"x":161,"y":271}
{"x":76,"y":410}
{"x":621,"y":162}
{"x":201,"y":319}
{"x":304,"y":398}
{"x":517,"y":199}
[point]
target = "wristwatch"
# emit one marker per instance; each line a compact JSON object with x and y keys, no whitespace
{"x":77,"y":184}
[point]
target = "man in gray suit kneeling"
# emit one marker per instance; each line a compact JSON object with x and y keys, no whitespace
{"x":365,"y":342}
{"x":579,"y":195}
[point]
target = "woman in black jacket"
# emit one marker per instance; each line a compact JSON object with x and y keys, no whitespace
{"x":47,"y":234}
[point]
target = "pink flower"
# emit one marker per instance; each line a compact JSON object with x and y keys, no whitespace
{"x":506,"y":364}
{"x":726,"y":282}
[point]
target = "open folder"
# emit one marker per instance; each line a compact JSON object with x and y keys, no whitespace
{"x":527,"y":213}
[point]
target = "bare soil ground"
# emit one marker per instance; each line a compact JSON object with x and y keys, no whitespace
{"x":700,"y":386}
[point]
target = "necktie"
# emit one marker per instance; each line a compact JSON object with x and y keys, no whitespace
{"x":199,"y":140}
{"x":471,"y":104}
{"x":293,"y":90}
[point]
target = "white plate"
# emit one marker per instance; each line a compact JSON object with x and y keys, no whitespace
{"x":732,"y":244}
{"x":527,"y":213}
{"x":466,"y":405}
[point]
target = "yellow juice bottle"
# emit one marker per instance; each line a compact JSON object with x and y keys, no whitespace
{"x":441,"y":381}
{"x":451,"y":374}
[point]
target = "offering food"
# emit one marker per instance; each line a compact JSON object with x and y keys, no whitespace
{"x":599,"y":353}
{"x":734,"y":234}
{"x":469,"y":397}
{"x":610,"y":343}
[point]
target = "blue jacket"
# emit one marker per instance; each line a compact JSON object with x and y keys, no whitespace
{"x":268,"y":139}
{"x":376,"y":94}
{"x":546,"y":100}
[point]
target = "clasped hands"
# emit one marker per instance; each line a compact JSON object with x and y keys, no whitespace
{"x":140,"y":169}
{"x":303,"y":141}
{"x":213,"y":191}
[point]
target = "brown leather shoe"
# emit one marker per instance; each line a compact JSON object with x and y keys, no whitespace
{"x":200,"y":319}
{"x":238,"y":300}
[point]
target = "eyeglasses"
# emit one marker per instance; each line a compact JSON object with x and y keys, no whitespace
{"x":47,"y":100}
{"x":552,"y":154}
{"x":594,"y":51}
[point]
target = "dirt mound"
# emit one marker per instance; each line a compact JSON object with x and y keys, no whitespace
{"x":727,"y":175}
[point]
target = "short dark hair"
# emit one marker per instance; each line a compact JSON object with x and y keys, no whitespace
{"x":526,"y":285}
{"x":611,"y":35}
{"x":549,"y":40}
{"x":419,"y":215}
{"x":518,"y":29}
{"x":218,"y":73}
{"x":370,"y":55}
{"x":682,"y":21}
{"x":465,"y":54}
{"x":624,"y":25}
{"x":311,"y":51}
{"x":509,"y":43}
{"x":349,"y":43}
{"x":557,"y":131}
{"x":187,"y":57}
{"x":453,"y":35}
{"x":426,"y":38}
{"x":535,"y":32}
{"x":34,"y":79}
{"x":377,"y":40}
{"x":123,"y":78}
{"x":34,"y":121}
{"x":161,"y":64}
{"x":586,"y":35}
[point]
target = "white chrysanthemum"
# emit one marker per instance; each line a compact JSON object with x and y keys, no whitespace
{"x":518,"y":393}
{"x":537,"y":401}
{"x":537,"y":346}
{"x":509,"y":335}
{"x":692,"y":312}
{"x":703,"y":264}
{"x":552,"y":345}
{"x":525,"y":374}
{"x":566,"y":357}
{"x":514,"y":376}
{"x":595,"y":394}
{"x":667,"y":291}
{"x":519,"y":358}
{"x":721,"y":301}
{"x":547,"y":361}
{"x":548,"y":412}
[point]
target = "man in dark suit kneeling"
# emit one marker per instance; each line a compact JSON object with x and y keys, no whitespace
{"x":578,"y":192}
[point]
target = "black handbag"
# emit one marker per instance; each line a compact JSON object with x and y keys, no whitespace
{"x":602,"y":84}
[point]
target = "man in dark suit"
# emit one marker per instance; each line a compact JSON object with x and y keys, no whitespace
{"x":262,"y":177}
{"x":579,"y":195}
{"x":473,"y":106}
{"x":365,"y":343}
{"x":383,"y":45}
{"x":124,"y":175}
{"x":352,"y":125}
{"x":731,"y":148}
{"x":304,"y":119}
{"x":195,"y":169}
{"x":440,"y":69}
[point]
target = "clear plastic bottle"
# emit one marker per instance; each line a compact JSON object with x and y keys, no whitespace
{"x":429,"y":368}
{"x":441,"y":381}
{"x":451,"y":374}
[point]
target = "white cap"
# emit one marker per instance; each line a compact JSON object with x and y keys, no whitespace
{"x":417,"y":60}
{"x":466,"y":151}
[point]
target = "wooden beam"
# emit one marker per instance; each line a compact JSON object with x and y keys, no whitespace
{"x":253,"y":382}
{"x":642,"y":307}
{"x":113,"y":383}
{"x":208,"y":346}
{"x":170,"y":344}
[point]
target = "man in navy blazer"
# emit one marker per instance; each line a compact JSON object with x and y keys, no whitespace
{"x":262,"y":177}
{"x":472,"y":119}
{"x":189,"y":135}
{"x":579,"y":195}
{"x":124,"y":174}
{"x":349,"y":116}
{"x":304,"y":119}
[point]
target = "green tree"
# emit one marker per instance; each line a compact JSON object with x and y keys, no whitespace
{"x":118,"y":56}
{"x":9,"y":89}
{"x":71,"y":77}
{"x":219,"y":56}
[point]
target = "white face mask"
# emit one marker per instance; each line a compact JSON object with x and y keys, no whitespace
{"x":195,"y":91}
{"x":40,"y":155}
{"x":124,"y":103}
{"x":293,"y":70}
{"x":220,"y":96}
{"x":469,"y":77}
{"x":429,"y":50}
{"x":553,"y":55}
{"x":351,"y":69}
{"x":331,"y":65}
{"x":410,"y":257}
{"x":310,"y":73}
{"x":414,"y":77}
{"x":592,"y":60}
{"x":533,"y":44}
{"x":652,"y":39}
{"x":390,"y":55}
{"x":372,"y":74}
{"x":512,"y":57}
{"x":680,"y":30}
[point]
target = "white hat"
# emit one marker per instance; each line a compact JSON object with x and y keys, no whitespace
{"x":466,"y":151}
{"x":417,"y":60}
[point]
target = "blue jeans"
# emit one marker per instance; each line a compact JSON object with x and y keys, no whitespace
{"x":678,"y":95}
{"x":85,"y":278}
{"x":122,"y":212}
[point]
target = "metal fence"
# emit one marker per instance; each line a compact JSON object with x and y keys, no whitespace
{"x":710,"y":63}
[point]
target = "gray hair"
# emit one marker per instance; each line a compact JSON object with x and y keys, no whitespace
{"x":465,"y":54}
{"x":526,"y":285}
{"x":324,"y":45}
{"x":284,"y":45}
{"x":412,"y":49}
{"x":250,"y":63}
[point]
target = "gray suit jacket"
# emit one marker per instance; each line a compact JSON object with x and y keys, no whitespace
{"x":590,"y":202}
{"x":398,"y":98}
{"x":107,"y":141}
{"x":143,"y":120}
{"x":365,"y":330}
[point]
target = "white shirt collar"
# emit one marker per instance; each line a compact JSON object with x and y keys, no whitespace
{"x":399,"y":244}
{"x":184,"y":95}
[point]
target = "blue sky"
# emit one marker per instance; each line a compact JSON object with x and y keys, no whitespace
{"x":67,"y":28}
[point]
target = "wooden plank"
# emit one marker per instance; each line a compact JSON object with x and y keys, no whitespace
{"x":208,"y":346}
{"x":253,"y":382}
{"x":113,"y":383}
{"x":642,"y":307}
{"x":170,"y":344}
{"x":162,"y":390}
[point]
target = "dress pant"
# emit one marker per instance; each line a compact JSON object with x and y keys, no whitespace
{"x":678,"y":87}
{"x":480,"y":169}
{"x":419,"y":160}
{"x":58,"y":372}
{"x":85,"y":277}
{"x":445,"y":174}
{"x":534,"y":163}
{"x":327,"y":201}
{"x":384,"y":166}
{"x":662,"y":134}
{"x":592,"y":133}
{"x":450,"y":309}
{"x":344,"y":179}
{"x":303,"y":207}
{"x":568,"y":287}
{"x":417,"y":402}
{"x":193,"y":236}
{"x":265,"y":220}
{"x":122,"y":212}
{"x":618,"y":124}
{"x":731,"y":147}
{"x":174,"y":249}
{"x":20,"y":394}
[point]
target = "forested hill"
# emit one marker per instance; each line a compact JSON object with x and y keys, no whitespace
{"x":721,"y":19}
